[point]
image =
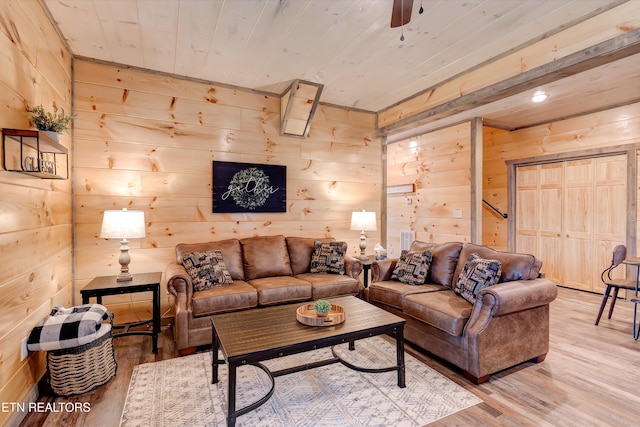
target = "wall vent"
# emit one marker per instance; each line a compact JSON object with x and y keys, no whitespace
{"x":406,"y":238}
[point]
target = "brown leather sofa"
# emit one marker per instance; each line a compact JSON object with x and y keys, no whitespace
{"x":266,"y":270}
{"x":507,"y":325}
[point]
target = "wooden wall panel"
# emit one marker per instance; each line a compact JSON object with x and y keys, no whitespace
{"x":160,"y":84}
{"x":35,"y":214}
{"x":414,"y":163}
{"x":637,"y":209}
{"x":146,"y":141}
{"x":618,"y":126}
{"x":439,"y":164}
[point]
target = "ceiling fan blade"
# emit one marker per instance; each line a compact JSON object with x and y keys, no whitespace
{"x":401,"y":12}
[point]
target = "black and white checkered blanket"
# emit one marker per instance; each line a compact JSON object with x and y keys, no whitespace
{"x":68,"y":327}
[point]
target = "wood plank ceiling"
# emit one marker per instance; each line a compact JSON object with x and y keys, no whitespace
{"x":347,"y":45}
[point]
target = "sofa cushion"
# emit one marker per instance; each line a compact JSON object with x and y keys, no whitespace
{"x":478,"y":273}
{"x":281,"y":289}
{"x":206,"y":269}
{"x":300,"y":251}
{"x":231,"y":253}
{"x":443,"y":310}
{"x":328,"y":257}
{"x":412,"y":267}
{"x":444,"y":260}
{"x":392,"y":293}
{"x":330,"y":285}
{"x":237,"y":296}
{"x":515,"y":266}
{"x":265,"y":256}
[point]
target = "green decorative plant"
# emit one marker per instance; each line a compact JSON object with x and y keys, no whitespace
{"x":54,"y":122}
{"x":322,"y":307}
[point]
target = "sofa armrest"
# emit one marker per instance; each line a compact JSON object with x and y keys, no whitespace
{"x":178,"y":281}
{"x":382,"y":269}
{"x":179,"y":285}
{"x":510,"y":297}
{"x":352,"y":266}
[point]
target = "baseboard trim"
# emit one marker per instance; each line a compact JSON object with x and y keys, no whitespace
{"x":16,"y":418}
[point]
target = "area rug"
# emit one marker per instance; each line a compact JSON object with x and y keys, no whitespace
{"x":178,"y":392}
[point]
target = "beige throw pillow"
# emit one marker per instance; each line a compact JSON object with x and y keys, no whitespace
{"x":206,"y":269}
{"x":477,"y":274}
{"x":328,"y":257}
{"x":412,"y":267}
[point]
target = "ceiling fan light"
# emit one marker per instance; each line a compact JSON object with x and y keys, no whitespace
{"x":539,"y":96}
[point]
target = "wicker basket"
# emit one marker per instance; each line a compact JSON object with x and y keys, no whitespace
{"x":81,"y":369}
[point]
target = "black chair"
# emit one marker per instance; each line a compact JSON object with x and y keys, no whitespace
{"x":619,"y":255}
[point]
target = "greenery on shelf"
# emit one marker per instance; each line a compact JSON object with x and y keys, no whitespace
{"x":54,"y":122}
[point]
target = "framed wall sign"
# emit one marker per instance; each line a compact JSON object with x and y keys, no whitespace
{"x":249,"y":187}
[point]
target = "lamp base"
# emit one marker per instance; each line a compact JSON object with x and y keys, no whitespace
{"x":124,"y":259}
{"x":363,"y":247}
{"x":124,"y":277}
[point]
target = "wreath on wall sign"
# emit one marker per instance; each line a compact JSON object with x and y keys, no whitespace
{"x":250,"y":188}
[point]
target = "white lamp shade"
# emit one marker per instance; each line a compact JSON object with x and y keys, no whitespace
{"x":123,"y":224}
{"x":363,"y":221}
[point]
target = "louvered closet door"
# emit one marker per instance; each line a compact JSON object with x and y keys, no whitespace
{"x":571,"y":214}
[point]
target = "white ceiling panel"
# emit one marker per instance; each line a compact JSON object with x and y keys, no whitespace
{"x":346,"y":45}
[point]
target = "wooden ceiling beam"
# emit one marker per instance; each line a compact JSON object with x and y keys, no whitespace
{"x":594,"y":56}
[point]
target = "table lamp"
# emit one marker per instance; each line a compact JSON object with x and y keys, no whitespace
{"x":363,"y":221}
{"x":123,"y":224}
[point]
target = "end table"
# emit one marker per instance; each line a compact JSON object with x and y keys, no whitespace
{"x":145,"y":282}
{"x":366,"y":267}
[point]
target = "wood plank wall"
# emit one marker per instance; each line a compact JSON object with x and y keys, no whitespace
{"x":439,"y":164}
{"x":35,"y":214}
{"x":439,"y":160}
{"x":618,"y":126}
{"x":146,"y":141}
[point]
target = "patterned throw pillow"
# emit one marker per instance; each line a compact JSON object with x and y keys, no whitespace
{"x":328,"y":257}
{"x":206,"y":269}
{"x":478,"y":273}
{"x":412,"y":267}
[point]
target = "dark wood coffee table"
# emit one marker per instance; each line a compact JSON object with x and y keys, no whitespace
{"x":251,"y":336}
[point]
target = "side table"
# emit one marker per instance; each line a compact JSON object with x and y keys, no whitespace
{"x":145,"y":282}
{"x":366,"y":268}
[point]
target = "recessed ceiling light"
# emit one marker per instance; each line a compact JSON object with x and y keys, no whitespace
{"x":413,"y":146}
{"x":539,"y":96}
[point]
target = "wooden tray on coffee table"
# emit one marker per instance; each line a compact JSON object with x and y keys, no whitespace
{"x":308,"y":316}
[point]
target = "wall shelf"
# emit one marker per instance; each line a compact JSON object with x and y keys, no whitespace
{"x":34,"y":153}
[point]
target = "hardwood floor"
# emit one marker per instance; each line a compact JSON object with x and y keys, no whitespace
{"x":590,"y":377}
{"x":107,"y":401}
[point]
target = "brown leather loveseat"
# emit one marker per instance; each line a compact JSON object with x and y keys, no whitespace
{"x":266,"y":270}
{"x":508,"y":324}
